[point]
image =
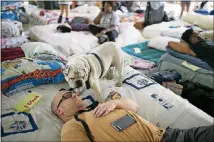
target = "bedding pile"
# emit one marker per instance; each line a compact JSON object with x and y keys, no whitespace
{"x":157,"y":104}
{"x":12,"y":34}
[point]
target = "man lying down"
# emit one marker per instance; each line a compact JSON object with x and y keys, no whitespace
{"x":192,"y":43}
{"x":115,"y":120}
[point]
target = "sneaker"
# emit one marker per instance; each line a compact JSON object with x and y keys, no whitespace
{"x":59,"y":19}
{"x":102,"y":39}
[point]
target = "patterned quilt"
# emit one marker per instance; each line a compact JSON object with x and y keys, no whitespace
{"x":23,"y":73}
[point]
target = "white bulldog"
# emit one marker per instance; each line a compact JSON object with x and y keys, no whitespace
{"x":86,"y":70}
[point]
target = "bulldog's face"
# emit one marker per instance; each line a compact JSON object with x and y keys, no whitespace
{"x":76,"y":73}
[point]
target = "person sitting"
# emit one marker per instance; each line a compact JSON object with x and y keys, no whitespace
{"x":96,"y":124}
{"x":195,"y":45}
{"x":108,"y":23}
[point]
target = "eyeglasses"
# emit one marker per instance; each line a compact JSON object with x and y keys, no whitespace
{"x":65,"y":96}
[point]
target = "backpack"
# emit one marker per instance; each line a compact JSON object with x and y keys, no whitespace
{"x":153,"y":16}
{"x":79,"y":20}
{"x":199,"y":95}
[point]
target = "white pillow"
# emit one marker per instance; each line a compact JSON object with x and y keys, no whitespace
{"x":190,"y":17}
{"x":203,"y":21}
{"x":32,"y":48}
{"x":161,"y":43}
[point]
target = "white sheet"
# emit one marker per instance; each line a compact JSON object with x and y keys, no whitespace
{"x":180,"y":114}
{"x":156,"y":29}
{"x":80,"y":42}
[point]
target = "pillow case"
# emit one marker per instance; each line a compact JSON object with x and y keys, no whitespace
{"x":23,"y":73}
{"x":32,"y":48}
{"x":161,"y":42}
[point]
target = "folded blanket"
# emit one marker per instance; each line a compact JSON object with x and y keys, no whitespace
{"x":11,"y":53}
{"x":141,"y":50}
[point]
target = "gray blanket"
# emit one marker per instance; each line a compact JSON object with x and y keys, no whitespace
{"x":203,"y":76}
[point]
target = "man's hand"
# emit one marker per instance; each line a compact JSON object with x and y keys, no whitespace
{"x":104,"y":108}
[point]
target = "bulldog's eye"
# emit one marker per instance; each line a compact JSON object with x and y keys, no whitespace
{"x":72,"y":78}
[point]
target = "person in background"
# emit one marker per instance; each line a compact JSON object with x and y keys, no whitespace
{"x":195,"y":45}
{"x":184,"y":4}
{"x":108,"y":23}
{"x":96,"y":124}
{"x":64,"y":7}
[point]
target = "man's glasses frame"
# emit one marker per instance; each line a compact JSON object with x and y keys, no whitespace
{"x":67,"y":95}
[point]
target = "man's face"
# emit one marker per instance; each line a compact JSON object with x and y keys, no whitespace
{"x":195,"y":37}
{"x":66,"y":104}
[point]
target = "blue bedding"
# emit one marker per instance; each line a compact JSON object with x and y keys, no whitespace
{"x":145,"y":53}
{"x":193,"y":60}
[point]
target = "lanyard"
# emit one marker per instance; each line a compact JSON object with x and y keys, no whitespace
{"x":89,"y":108}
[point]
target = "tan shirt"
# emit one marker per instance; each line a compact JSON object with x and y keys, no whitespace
{"x":101,"y":129}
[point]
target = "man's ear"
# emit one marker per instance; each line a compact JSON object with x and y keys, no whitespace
{"x":59,"y":111}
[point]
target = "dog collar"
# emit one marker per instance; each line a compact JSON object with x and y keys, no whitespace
{"x":87,"y":84}
{"x":101,"y":63}
{"x":102,"y":69}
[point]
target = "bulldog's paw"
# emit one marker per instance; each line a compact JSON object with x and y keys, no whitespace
{"x":119,"y":84}
{"x":110,"y":74}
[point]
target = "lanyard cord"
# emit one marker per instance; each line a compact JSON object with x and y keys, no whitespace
{"x":87,"y":129}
